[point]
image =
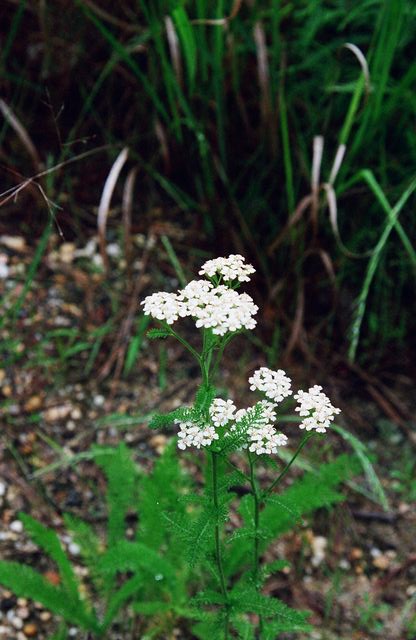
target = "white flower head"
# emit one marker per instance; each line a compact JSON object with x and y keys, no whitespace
{"x":276,"y":385}
{"x":225,"y":310}
{"x":164,"y":306}
{"x":193,"y":435}
{"x":193,"y":295}
{"x":316,"y":408}
{"x":265,"y":439}
{"x":231,"y":268}
{"x":222,"y":411}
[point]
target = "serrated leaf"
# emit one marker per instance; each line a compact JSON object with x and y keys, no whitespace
{"x":121,"y":474}
{"x":248,"y":600}
{"x":128,"y":590}
{"x":27,"y":583}
{"x":160,"y":420}
{"x":48,"y":540}
{"x":156,"y":334}
{"x":152,"y":608}
{"x":207,"y":597}
{"x":135,"y":556}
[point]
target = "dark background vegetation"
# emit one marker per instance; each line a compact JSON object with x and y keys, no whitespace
{"x":218,"y":104}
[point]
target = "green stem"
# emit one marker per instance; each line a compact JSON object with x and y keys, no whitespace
{"x":218,"y":555}
{"x":256,"y":497}
{"x":234,"y":466}
{"x":184,"y":342}
{"x":256,"y":550}
{"x":304,"y":440}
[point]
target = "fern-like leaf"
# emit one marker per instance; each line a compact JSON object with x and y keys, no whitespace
{"x":158,"y":334}
{"x":134,"y":556}
{"x":121,"y":596}
{"x":159,"y":493}
{"x":27,"y":583}
{"x":48,"y":540}
{"x":121,"y":474}
{"x":249,"y":600}
{"x":160,"y":420}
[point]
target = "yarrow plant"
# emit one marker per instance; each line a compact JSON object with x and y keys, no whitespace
{"x":218,"y":427}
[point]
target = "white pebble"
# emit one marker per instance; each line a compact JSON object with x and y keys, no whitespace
{"x":16,"y":526}
{"x":3,"y":488}
{"x":99,"y":400}
{"x":17,"y":622}
{"x":74,"y":548}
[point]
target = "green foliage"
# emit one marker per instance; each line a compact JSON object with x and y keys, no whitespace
{"x":155,"y":334}
{"x":149,"y":569}
{"x":312,"y":491}
{"x":27,"y":583}
{"x":250,"y":600}
{"x":48,"y":540}
{"x":121,"y":475}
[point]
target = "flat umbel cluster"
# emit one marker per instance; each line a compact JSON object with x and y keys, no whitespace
{"x":214,"y":306}
{"x":317,"y":409}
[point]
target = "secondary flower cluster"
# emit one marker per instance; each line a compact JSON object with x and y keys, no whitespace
{"x":217,"y":307}
{"x":231,"y":268}
{"x":317,"y":409}
{"x":256,"y":423}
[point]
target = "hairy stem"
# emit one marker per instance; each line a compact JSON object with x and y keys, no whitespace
{"x":218,"y":554}
{"x":256,"y":541}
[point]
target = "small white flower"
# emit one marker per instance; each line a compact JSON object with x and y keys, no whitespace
{"x":276,"y":385}
{"x":265,"y":439}
{"x":193,"y":435}
{"x":316,"y":408}
{"x":193,"y":295}
{"x":231,"y":268}
{"x":224,"y":310}
{"x":164,"y":306}
{"x":222,"y":411}
{"x":268,"y":410}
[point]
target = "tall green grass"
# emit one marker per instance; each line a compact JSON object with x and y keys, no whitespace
{"x":219,"y":104}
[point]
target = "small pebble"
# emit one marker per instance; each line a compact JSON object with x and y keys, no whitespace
{"x":45,"y":616}
{"x":381,"y":562}
{"x":76,"y":414}
{"x":99,"y":400}
{"x":30,"y":630}
{"x":17,"y":622}
{"x":16,"y":526}
{"x":23,"y":613}
{"x":74,"y":548}
{"x":3,"y":489}
{"x":70,"y":425}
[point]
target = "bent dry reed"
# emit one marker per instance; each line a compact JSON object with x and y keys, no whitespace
{"x":216,"y":425}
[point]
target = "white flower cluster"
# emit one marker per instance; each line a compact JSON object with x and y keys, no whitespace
{"x":317,"y":409}
{"x":275,"y":384}
{"x":192,"y":435}
{"x":218,"y":308}
{"x":265,"y":439}
{"x":164,"y":306}
{"x":225,"y":310}
{"x":222,"y":411}
{"x":231,"y":268}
